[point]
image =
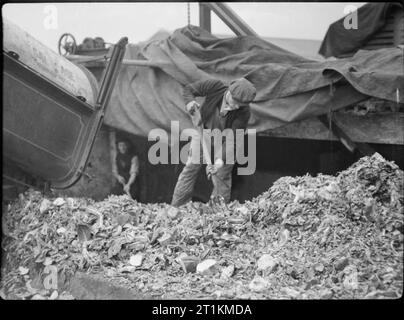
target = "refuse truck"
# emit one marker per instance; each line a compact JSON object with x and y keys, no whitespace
{"x":52,"y":111}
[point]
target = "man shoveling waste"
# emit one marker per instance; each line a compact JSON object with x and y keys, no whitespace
{"x":224,"y":107}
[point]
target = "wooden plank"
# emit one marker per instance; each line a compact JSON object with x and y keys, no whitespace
{"x":384,"y":35}
{"x":381,"y":42}
{"x":383,"y":128}
{"x":388,"y":28}
{"x":375,"y":47}
{"x":384,"y":32}
{"x":378,"y":40}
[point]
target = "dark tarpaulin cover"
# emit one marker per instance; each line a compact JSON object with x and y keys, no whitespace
{"x":339,"y":40}
{"x":289,"y":87}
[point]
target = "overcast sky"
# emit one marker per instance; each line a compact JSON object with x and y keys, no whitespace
{"x":139,"y":21}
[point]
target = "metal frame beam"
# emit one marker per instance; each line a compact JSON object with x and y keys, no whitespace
{"x":205,"y":17}
{"x":227,"y":15}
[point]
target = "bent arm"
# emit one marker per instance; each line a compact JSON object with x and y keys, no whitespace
{"x":201,"y":88}
{"x":112,"y":142}
{"x":134,"y":170}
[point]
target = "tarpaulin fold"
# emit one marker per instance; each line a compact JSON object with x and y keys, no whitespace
{"x":289,"y":87}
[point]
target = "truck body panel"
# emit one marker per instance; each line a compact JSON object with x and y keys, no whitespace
{"x":52,"y":109}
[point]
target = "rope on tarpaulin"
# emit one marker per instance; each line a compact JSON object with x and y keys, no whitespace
{"x":332,"y":90}
{"x":330,"y":131}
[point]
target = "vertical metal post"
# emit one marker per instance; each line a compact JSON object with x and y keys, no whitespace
{"x":204,"y":17}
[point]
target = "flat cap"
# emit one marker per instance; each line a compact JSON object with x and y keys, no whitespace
{"x":242,"y":90}
{"x":123,"y":139}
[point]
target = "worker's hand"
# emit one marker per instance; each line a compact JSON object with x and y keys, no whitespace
{"x":212,"y":169}
{"x":121,"y":180}
{"x":126,"y":188}
{"x":192,"y":107}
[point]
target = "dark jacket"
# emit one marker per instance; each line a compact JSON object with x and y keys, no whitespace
{"x":123,"y":164}
{"x":213,"y":90}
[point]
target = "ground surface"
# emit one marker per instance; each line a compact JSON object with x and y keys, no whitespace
{"x":323,"y":237}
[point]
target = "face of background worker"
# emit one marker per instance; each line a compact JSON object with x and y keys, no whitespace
{"x":233,"y":105}
{"x":122,"y":147}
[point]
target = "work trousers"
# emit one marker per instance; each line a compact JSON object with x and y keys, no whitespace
{"x":186,"y":181}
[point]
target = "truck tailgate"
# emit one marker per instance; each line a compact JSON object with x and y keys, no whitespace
{"x":47,"y":131}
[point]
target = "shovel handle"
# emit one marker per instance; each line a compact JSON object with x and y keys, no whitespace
{"x":129,"y":195}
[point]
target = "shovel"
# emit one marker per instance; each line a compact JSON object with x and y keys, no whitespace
{"x":129,"y":195}
{"x":197,"y":121}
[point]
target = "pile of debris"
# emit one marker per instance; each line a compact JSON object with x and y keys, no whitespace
{"x":324,"y":237}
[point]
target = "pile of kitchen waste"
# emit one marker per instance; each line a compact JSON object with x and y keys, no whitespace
{"x":323,"y":237}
